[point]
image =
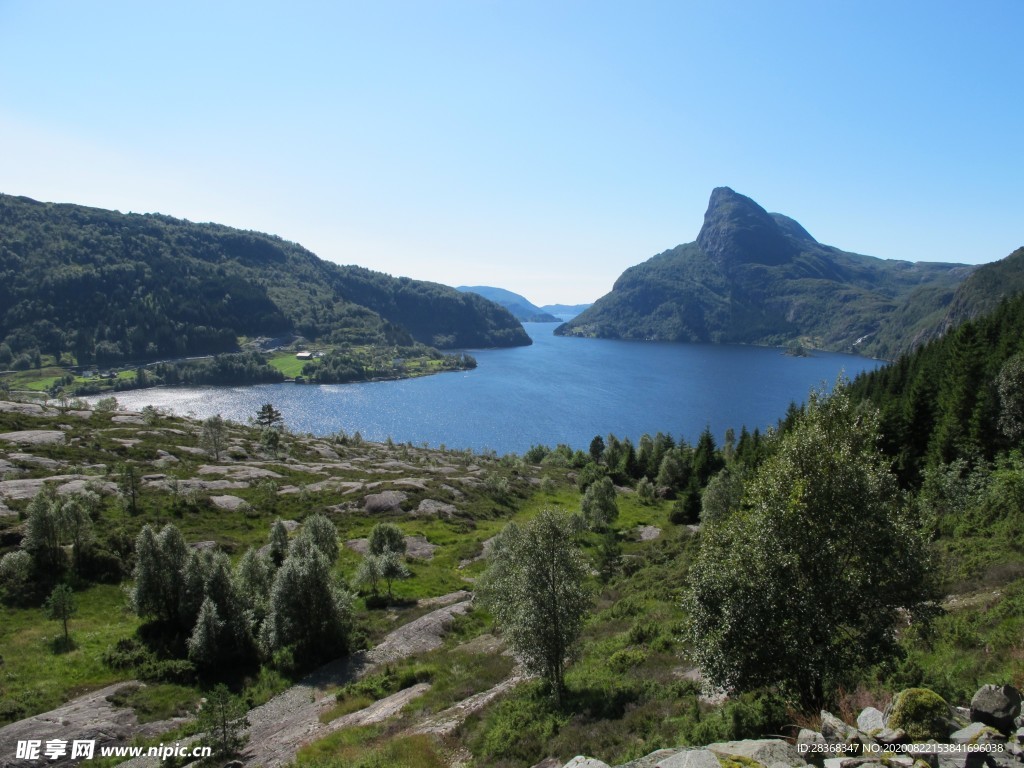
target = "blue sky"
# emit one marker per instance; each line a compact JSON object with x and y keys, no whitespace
{"x":541,"y":147}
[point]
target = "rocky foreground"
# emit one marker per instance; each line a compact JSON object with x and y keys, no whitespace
{"x":918,"y":728}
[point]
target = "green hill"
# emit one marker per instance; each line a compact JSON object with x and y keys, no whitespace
{"x":755,"y":277}
{"x":110,"y":287}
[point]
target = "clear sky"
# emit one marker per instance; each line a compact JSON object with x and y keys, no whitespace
{"x":541,"y":147}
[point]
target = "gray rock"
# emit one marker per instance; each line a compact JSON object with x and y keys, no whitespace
{"x":387,"y":501}
{"x":417,"y":546}
{"x":8,"y":407}
{"x":651,"y":760}
{"x":648,"y":532}
{"x":764,"y":751}
{"x":1020,"y":734}
{"x":434,"y":507}
{"x":690,"y":758}
{"x":128,"y":418}
{"x":870,"y":719}
{"x":977,"y":733}
{"x":34,"y":437}
{"x":230,"y":503}
{"x":585,"y":762}
{"x":38,"y":461}
{"x":890,"y":736}
{"x":836,"y":731}
{"x":996,"y":705}
{"x":807,"y":736}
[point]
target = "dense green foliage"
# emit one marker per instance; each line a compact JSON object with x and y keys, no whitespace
{"x":759,"y":278}
{"x":943,"y":402}
{"x":107,"y":288}
{"x":785,"y":592}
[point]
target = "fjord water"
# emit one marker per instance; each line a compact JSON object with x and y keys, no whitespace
{"x":559,"y":390}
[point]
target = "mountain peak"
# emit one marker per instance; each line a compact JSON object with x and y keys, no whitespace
{"x":738,"y":230}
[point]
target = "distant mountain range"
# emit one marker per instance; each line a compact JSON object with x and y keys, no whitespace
{"x":520,"y":307}
{"x":566,"y":311}
{"x":755,"y":277}
{"x":111,"y":287}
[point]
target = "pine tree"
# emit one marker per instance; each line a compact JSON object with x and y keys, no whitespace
{"x":222,"y":721}
{"x":61,"y":606}
{"x":268,"y":416}
{"x":278,"y":543}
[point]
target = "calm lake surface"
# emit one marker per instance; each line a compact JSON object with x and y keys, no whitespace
{"x":557,"y":391}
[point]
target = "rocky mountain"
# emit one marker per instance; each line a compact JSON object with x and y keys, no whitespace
{"x":755,"y":277}
{"x":111,"y":287}
{"x":521,"y":307}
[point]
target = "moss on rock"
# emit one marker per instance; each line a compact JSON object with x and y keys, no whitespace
{"x":921,"y":713}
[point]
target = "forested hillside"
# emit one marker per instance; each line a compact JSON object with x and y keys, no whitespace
{"x":755,"y":277}
{"x":960,"y":397}
{"x":109,"y":288}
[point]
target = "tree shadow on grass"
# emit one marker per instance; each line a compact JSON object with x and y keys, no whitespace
{"x":61,"y":645}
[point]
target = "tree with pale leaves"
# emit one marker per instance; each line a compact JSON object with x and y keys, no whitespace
{"x":536,"y":588}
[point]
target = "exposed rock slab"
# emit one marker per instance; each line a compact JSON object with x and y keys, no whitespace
{"x":90,"y":716}
{"x":765,"y":751}
{"x":278,"y":728}
{"x":238,"y":472}
{"x":37,"y":461}
{"x":380,"y":710}
{"x":128,"y":418}
{"x":434,"y":507}
{"x":230,"y":503}
{"x":386,"y":501}
{"x":580,"y":761}
{"x":28,"y":488}
{"x":34,"y":437}
{"x":690,"y":758}
{"x":419,"y":636}
{"x":445,"y":722}
{"x":7,"y":406}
